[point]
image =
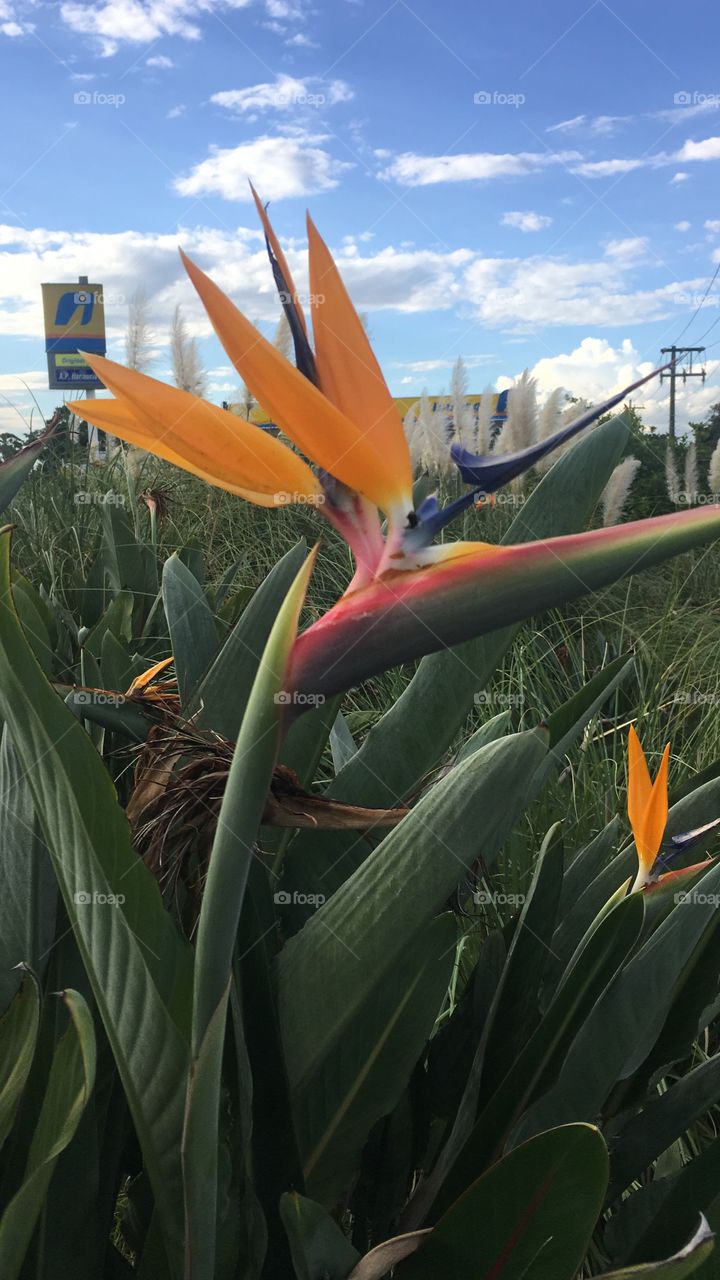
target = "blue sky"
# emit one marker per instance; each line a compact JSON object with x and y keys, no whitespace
{"x":523,"y":185}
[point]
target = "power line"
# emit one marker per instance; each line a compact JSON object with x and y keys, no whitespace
{"x":700,"y":304}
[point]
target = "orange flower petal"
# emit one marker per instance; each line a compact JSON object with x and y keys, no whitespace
{"x":146,"y":676}
{"x":198,"y":436}
{"x":656,"y":812}
{"x":305,"y":415}
{"x":639,"y":785}
{"x":349,"y":372}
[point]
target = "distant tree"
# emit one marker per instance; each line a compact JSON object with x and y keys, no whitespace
{"x":188,"y":371}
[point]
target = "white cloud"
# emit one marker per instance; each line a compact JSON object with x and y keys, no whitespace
{"x":283,"y":166}
{"x":607,"y":168}
{"x":678,"y":178}
{"x":684,"y":225}
{"x":631,"y":249}
{"x":160,"y":62}
{"x":523,"y":294}
{"x":301,"y":41}
{"x":175,"y":112}
{"x":707,"y":149}
{"x":567,"y":126}
{"x":113,"y":22}
{"x":285,"y":93}
{"x":528,"y":221}
{"x":414,"y":170}
{"x":713,"y":226}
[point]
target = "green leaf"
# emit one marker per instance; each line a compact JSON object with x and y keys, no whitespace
{"x":637,"y":1142}
{"x":533,"y":1213}
{"x":319,"y":1249}
{"x":28,"y":900}
{"x":352,"y":943}
{"x":135,"y":959}
{"x":69,"y":1085}
{"x":682,"y":1264}
{"x":117,"y":619}
{"x":542,"y":1058}
{"x":232,"y":853}
{"x":15,"y":470}
{"x":222,"y":697}
{"x":193,"y":632}
{"x":18,"y":1034}
{"x":363,"y":1074}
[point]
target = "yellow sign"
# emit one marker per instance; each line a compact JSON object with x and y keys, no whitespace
{"x":73,"y":312}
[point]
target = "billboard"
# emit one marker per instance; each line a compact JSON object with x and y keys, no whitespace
{"x":74,"y":321}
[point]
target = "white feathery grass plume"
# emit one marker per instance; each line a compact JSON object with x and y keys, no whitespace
{"x":714,"y":473}
{"x":520,"y":429}
{"x":575,"y":409}
{"x":692,"y":480}
{"x":188,"y":372}
{"x":283,"y":338}
{"x":483,"y":426}
{"x":616,"y":491}
{"x":550,"y":421}
{"x":138,"y":338}
{"x":437,"y":458}
{"x":462,"y":419}
{"x":414,"y":434}
{"x":672,"y":478}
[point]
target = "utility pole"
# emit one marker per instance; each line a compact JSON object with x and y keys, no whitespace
{"x":686,"y":371}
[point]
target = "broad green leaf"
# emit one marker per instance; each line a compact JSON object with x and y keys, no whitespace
{"x":359,"y":934}
{"x":511,"y":1017}
{"x":69,"y":1085}
{"x":318,"y":863}
{"x":685,"y":1263}
{"x":319,"y":1249}
{"x":222,"y":696}
{"x":193,"y":632}
{"x":587,"y":863}
{"x":18,"y":1034}
{"x":363,"y":1074}
{"x":541,"y":1060}
{"x":232,"y":853}
{"x":136,"y":961}
{"x":117,"y":619}
{"x":34,"y":628}
{"x":531,"y":1215}
{"x":15,"y":470}
{"x":28,"y":900}
{"x":637,"y":1142}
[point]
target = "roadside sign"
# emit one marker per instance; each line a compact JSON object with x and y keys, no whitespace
{"x":74,"y":321}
